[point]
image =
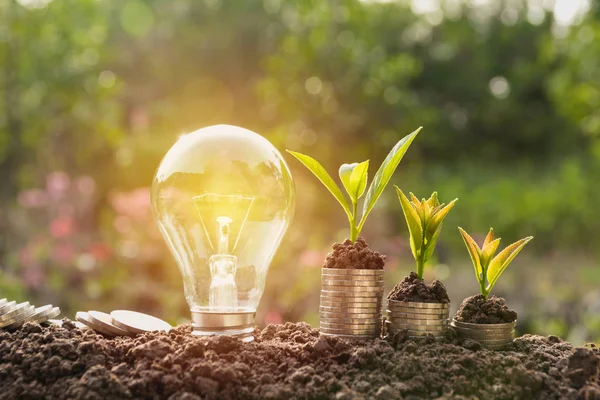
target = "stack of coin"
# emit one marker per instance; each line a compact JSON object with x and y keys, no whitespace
{"x":420,"y":319}
{"x":13,"y":314}
{"x":491,"y":336}
{"x":121,"y":322}
{"x":351,"y":302}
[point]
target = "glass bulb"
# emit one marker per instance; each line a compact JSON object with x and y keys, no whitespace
{"x":223,"y":197}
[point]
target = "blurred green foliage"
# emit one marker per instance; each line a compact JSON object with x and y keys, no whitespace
{"x":509,"y":101}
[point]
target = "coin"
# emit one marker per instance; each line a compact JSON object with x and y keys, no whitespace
{"x":22,"y":318}
{"x":417,"y":311}
{"x":136,"y":322}
{"x":3,"y":302}
{"x":340,"y":271}
{"x":472,"y":334}
{"x":350,"y":309}
{"x":412,"y":304}
{"x":415,"y":317}
{"x":363,"y":278}
{"x":331,"y":282}
{"x":432,"y":329}
{"x":494,"y":341}
{"x":486,"y":327}
{"x":16,"y":310}
{"x":344,"y":320}
{"x":353,"y":328}
{"x":358,"y":298}
{"x":419,"y":322}
{"x":106,"y":322}
{"x":53,"y":313}
{"x":41,"y":312}
{"x":349,"y":337}
{"x":347,"y":331}
{"x":84,"y":318}
{"x":7,"y":307}
{"x":353,"y":289}
{"x":324,"y":314}
{"x":354,"y":304}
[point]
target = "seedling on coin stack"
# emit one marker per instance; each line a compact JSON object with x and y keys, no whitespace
{"x":352,"y":276}
{"x":413,"y":305}
{"x":480,"y":317}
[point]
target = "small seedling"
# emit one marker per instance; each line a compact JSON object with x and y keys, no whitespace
{"x":354,"y":178}
{"x":487,"y":267}
{"x":424,"y":219}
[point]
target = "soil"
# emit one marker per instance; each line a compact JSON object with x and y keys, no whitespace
{"x":477,"y":310}
{"x":414,"y":289}
{"x":286,"y":362}
{"x":357,"y":255}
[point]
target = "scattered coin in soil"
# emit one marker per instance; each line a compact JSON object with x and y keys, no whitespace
{"x":16,"y":310}
{"x":106,"y":322}
{"x":84,"y":318}
{"x":53,"y":313}
{"x":22,"y":318}
{"x":136,"y":322}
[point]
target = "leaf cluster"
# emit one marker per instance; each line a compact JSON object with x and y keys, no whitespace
{"x":424,"y":220}
{"x":488,"y":267}
{"x":354,"y":178}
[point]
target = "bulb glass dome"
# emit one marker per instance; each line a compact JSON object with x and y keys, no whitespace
{"x":223,"y":198}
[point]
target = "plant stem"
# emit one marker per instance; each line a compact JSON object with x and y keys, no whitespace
{"x":353,"y":228}
{"x":484,"y":291}
{"x":420,"y":266}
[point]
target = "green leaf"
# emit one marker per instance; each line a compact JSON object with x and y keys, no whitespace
{"x":354,"y":178}
{"x":489,"y":238}
{"x":320,"y":172}
{"x":430,"y":243}
{"x":501,"y":261}
{"x":474,"y":252}
{"x":488,"y":251}
{"x":438,"y":217}
{"x":384,"y":174}
{"x":413,"y":221}
{"x":433,"y":200}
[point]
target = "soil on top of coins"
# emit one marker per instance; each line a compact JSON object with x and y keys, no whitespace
{"x":357,"y":255}
{"x":289,"y":361}
{"x":477,"y":310}
{"x":411,"y":288}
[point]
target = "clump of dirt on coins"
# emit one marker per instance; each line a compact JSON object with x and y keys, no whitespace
{"x":285,"y":362}
{"x":411,"y":288}
{"x":477,"y":310}
{"x":357,"y":255}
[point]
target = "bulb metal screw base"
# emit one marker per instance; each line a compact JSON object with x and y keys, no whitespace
{"x":238,"y":324}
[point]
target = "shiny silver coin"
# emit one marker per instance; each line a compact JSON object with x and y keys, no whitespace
{"x":53,"y":313}
{"x":485,"y":327}
{"x":374,"y":298}
{"x":105,"y":320}
{"x":359,"y":321}
{"x":422,"y":322}
{"x":411,"y":304}
{"x":136,"y":322}
{"x":81,"y":326}
{"x":417,"y":311}
{"x":352,"y":295}
{"x":416,"y":317}
{"x":14,"y":311}
{"x":41,"y":312}
{"x":84,"y":318}
{"x":3,"y":302}
{"x":324,"y":314}
{"x":22,"y":318}
{"x":340,"y":271}
{"x":7,"y":307}
{"x":330,"y":282}
{"x":472,"y":334}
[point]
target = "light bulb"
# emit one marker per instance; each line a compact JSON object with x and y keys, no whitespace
{"x":222,"y":198}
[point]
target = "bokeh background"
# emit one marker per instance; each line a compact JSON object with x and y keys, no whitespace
{"x":94,"y":92}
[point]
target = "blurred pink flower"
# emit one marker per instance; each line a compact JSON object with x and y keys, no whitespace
{"x":57,"y":184}
{"x":86,"y":185}
{"x":63,"y":253}
{"x":61,"y":227}
{"x":134,"y":204}
{"x":312,"y":258}
{"x":33,"y":198}
{"x":100,"y":251}
{"x":273,"y":317}
{"x":122,"y":224}
{"x":26,"y":257}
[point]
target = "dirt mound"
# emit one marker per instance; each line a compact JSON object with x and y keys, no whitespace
{"x":414,"y":289}
{"x":357,"y":255}
{"x":286,"y":362}
{"x":477,"y":310}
